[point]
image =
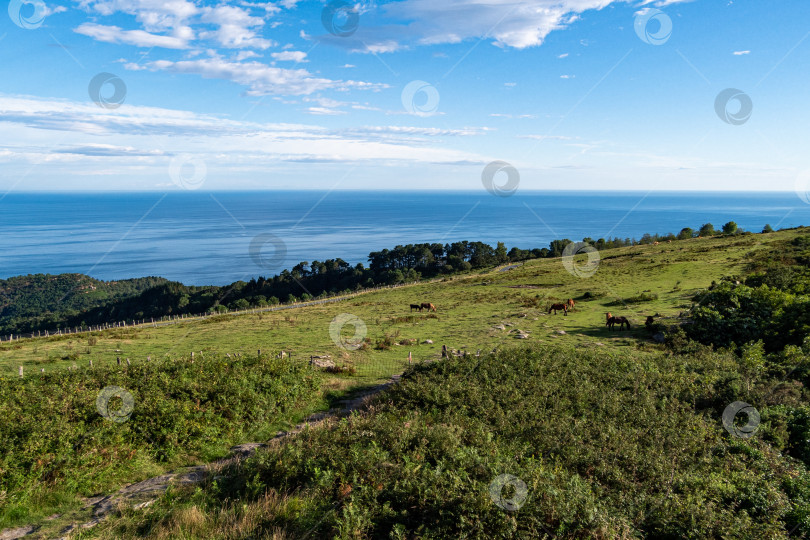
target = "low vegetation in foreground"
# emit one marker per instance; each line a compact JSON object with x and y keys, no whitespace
{"x":82,"y":432}
{"x":598,"y":444}
{"x":573,"y":432}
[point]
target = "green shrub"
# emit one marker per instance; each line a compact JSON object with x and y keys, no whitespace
{"x":607,"y":446}
{"x":54,"y":438}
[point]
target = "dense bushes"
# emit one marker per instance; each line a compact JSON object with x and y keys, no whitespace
{"x":738,"y":314}
{"x":54,"y":438}
{"x":606,"y":445}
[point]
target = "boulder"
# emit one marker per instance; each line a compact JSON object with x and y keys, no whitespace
{"x":323,"y":363}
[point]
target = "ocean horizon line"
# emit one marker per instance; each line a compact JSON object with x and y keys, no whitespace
{"x":395,"y":190}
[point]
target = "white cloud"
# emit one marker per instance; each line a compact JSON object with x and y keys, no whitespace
{"x":545,"y":137}
{"x":510,"y":116}
{"x":154,"y":15}
{"x":740,"y":53}
{"x":169,"y":23}
{"x":107,"y":150}
{"x":663,"y":3}
{"x":138,"y":38}
{"x":237,"y":28}
{"x":290,"y":56}
{"x":260,"y":79}
{"x":135,"y":137}
{"x":48,"y":11}
{"x":564,"y":55}
{"x":324,"y":111}
{"x":519,"y":24}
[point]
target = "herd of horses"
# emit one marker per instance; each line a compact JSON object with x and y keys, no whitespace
{"x":610,"y":320}
{"x":562,"y":307}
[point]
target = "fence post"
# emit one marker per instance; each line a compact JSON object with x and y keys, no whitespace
{"x":21,"y":372}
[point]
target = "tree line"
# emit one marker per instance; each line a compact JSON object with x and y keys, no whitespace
{"x":304,"y":281}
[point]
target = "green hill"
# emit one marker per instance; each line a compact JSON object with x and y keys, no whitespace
{"x":604,"y":434}
{"x":45,"y":301}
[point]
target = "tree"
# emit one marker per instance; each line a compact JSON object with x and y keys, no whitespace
{"x":707,"y":229}
{"x":501,"y":255}
{"x":685,"y":233}
{"x":730,"y":228}
{"x":767,"y":229}
{"x":240,"y":304}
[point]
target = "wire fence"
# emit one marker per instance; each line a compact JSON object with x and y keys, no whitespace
{"x":174,"y":319}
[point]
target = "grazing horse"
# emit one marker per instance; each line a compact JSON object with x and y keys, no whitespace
{"x":416,"y":306}
{"x":570,"y":303}
{"x":559,"y":307}
{"x":613,"y":321}
{"x":428,"y":306}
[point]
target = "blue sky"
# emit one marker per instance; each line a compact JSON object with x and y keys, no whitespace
{"x":574,"y":94}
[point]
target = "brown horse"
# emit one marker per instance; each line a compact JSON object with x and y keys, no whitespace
{"x":559,"y":307}
{"x":570,"y":303}
{"x":613,"y":321}
{"x":428,"y":306}
{"x":416,"y":306}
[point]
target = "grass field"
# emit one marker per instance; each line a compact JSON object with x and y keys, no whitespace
{"x":468,"y":308}
{"x":477,"y":311}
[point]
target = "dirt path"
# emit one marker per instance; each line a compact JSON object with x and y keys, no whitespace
{"x":144,"y":493}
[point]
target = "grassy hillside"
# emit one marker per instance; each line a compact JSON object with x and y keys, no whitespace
{"x":600,"y":444}
{"x":613,"y":434}
{"x":469,"y":307}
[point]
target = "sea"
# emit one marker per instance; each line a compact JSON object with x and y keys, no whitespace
{"x":216,"y":238}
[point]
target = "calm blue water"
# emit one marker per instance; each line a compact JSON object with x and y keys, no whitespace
{"x":203,"y":238}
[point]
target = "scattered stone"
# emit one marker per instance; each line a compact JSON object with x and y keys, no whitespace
{"x":522,"y":336}
{"x":19,"y":532}
{"x":428,"y":341}
{"x":600,"y":344}
{"x":499,"y":327}
{"x":143,"y":504}
{"x":322,"y":363}
{"x":659,"y":337}
{"x":561,"y":332}
{"x":247,"y":449}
